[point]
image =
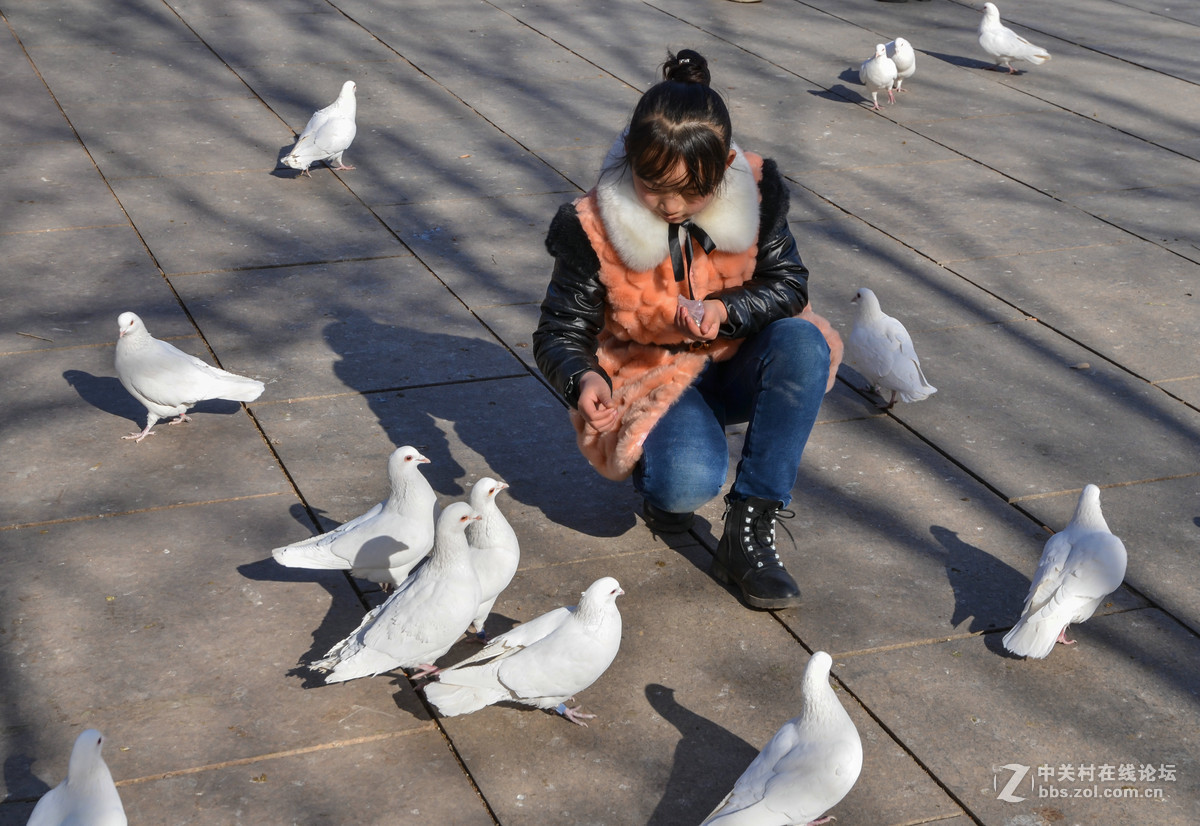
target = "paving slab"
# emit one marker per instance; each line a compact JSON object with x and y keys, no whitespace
{"x":124,"y":624}
{"x":405,"y":777}
{"x":90,"y":73}
{"x":502,"y":260}
{"x":199,"y":223}
{"x":1163,"y":215}
{"x":63,"y":422}
{"x":75,"y":283}
{"x":967,"y":711}
{"x":848,"y":253}
{"x":137,"y":22}
{"x":1114,"y":289}
{"x":41,"y":120}
{"x":150,"y":138}
{"x":56,"y":186}
{"x":1017,"y":406}
{"x":512,"y":429}
{"x":310,"y":36}
{"x":676,"y":724}
{"x":977,"y":213}
{"x":356,"y":326}
{"x":1187,"y":390}
{"x":1055,"y":152}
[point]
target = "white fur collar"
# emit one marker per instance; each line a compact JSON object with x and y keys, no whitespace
{"x":640,"y":236}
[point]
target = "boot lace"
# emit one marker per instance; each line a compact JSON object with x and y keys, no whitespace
{"x":758,"y":534}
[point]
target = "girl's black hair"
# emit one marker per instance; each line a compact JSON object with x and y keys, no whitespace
{"x":681,"y":119}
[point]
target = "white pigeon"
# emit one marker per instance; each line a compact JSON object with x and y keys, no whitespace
{"x":329,"y":133}
{"x":495,"y":551}
{"x":878,"y":74}
{"x":423,"y":618}
{"x":168,"y":381}
{"x":541,"y":663}
{"x":810,"y":764}
{"x":1005,"y":45}
{"x":1081,"y":565}
{"x":385,"y":543}
{"x":880,"y":348}
{"x":902,"y":54}
{"x":87,"y":796}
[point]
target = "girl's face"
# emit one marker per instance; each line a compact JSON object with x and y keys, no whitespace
{"x":671,"y":200}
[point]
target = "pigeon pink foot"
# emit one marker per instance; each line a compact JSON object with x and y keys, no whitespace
{"x":1062,"y":638}
{"x":137,"y":437}
{"x":425,"y":671}
{"x":574,"y":714}
{"x":183,"y":417}
{"x":341,"y":166}
{"x":891,"y":96}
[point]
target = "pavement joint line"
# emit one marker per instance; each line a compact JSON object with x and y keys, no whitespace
{"x":320,"y":263}
{"x":504,"y":196}
{"x":388,"y":390}
{"x":277,"y":755}
{"x":934,"y":819}
{"x":63,"y":229}
{"x":91,"y":516}
{"x":1022,"y":253}
{"x":903,"y":746}
{"x":604,"y":557}
{"x":93,"y":345}
{"x":1076,"y":491}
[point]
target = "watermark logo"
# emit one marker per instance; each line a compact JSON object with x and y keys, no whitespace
{"x":1018,"y":774}
{"x":1131,"y":781}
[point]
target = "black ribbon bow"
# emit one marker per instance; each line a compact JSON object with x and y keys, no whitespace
{"x":681,"y":252}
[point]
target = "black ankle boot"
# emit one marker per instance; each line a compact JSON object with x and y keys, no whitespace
{"x":661,"y":521}
{"x":746,"y":556}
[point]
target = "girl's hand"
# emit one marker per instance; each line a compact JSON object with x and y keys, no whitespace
{"x":715,"y":315}
{"x":595,"y":403}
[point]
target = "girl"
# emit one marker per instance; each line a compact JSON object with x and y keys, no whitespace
{"x":678,"y":305}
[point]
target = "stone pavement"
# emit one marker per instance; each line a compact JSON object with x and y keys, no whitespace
{"x":1039,"y":234}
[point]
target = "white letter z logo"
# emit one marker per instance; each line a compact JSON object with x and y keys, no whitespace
{"x":1006,"y":794}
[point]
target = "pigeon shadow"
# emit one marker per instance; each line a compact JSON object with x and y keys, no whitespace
{"x":337,"y":623}
{"x":842,"y":94}
{"x":985,"y":589}
{"x":850,"y":76}
{"x":708,"y":760}
{"x":959,"y":60}
{"x":281,"y":169}
{"x":106,"y":393}
{"x":19,"y":779}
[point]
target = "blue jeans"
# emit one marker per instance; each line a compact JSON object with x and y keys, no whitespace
{"x":775,"y":383}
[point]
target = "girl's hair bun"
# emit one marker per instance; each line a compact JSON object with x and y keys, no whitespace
{"x":687,"y":66}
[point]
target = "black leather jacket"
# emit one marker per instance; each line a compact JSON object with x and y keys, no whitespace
{"x":564,"y":343}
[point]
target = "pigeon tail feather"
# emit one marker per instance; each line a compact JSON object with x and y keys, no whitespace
{"x":364,"y":662}
{"x":1033,"y":638}
{"x":468,"y":690}
{"x":318,"y":557}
